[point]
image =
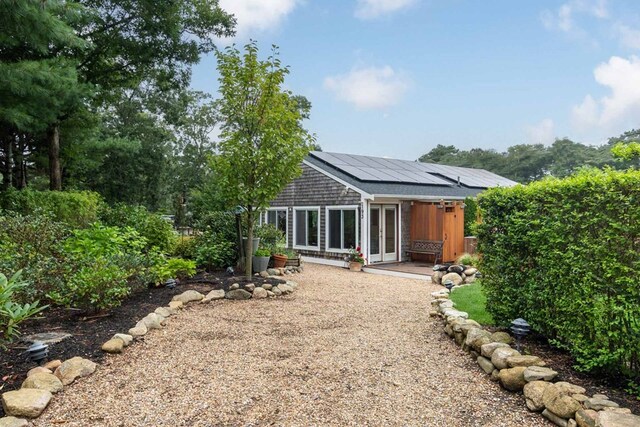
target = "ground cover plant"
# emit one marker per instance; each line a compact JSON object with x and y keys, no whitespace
{"x":564,"y":254}
{"x":473,"y":300}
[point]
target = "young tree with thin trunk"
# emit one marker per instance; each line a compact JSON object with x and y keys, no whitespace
{"x":262,"y":140}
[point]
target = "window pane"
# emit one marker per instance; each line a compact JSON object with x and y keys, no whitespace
{"x":312,"y":228}
{"x":390,"y":231}
{"x":301,"y":227}
{"x":271,"y":217}
{"x":349,"y":237}
{"x":334,"y":229}
{"x":282,"y":221}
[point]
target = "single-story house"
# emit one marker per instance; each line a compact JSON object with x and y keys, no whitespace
{"x":382,"y":205}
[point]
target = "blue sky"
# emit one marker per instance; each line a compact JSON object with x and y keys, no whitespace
{"x":397,"y":77}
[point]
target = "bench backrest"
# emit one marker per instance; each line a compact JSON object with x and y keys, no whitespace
{"x":434,"y":246}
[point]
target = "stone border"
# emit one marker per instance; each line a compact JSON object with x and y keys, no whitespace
{"x":43,"y":381}
{"x":562,"y":403}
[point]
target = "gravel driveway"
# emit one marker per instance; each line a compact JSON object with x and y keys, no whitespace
{"x":344,"y":349}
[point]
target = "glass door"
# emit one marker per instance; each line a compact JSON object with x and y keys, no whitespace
{"x":375,"y":234}
{"x":390,"y":252}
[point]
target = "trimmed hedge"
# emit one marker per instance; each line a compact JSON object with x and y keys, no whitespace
{"x":75,"y":208}
{"x":565,"y":255}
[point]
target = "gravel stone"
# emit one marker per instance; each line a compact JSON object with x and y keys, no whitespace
{"x":349,"y":350}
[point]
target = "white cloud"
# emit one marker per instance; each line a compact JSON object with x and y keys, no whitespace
{"x":371,"y":9}
{"x":541,"y":133}
{"x":563,"y":19}
{"x":628,"y":36}
{"x":258,"y":15}
{"x":618,"y":111}
{"x":369,"y":88}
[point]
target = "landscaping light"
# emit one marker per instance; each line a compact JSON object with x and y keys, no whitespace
{"x":449,"y":284}
{"x":38,"y":352}
{"x":170,"y":283}
{"x":478,"y":275}
{"x":520,"y":328}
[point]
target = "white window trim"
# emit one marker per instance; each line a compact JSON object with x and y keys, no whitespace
{"x":306,"y":208}
{"x":265,"y":220}
{"x":326,"y":227}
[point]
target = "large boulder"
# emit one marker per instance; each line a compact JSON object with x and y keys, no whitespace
{"x":39,"y":370}
{"x":113,"y":346}
{"x":74,"y":368}
{"x":456,"y":268}
{"x":470,"y":271}
{"x":525,"y":361}
{"x":613,"y":419}
{"x":513,"y":378}
{"x":536,"y":373}
{"x":126,"y":339}
{"x":533,"y":395}
{"x":238,"y":294}
{"x":454,"y":277}
{"x":586,"y":418}
{"x":502,"y":337}
{"x":476,"y":338}
{"x":215,"y":294}
{"x":487,"y":349}
{"x":188,"y":296}
{"x":437,"y":277}
{"x":26,"y":402}
{"x":500,"y":356}
{"x":139,"y":330}
{"x":43,"y":381}
{"x":259,"y":293}
{"x":165,"y":311}
{"x":153,"y":321}
{"x":558,"y":400}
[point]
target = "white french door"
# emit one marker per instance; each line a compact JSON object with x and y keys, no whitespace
{"x":383,"y":233}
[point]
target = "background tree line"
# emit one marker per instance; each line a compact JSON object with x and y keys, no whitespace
{"x":529,"y":162}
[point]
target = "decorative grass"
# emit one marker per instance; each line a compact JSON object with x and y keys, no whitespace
{"x":472,"y":300}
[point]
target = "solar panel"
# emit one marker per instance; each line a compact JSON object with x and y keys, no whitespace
{"x":377,"y":169}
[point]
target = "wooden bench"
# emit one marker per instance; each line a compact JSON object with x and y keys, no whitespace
{"x":427,"y":247}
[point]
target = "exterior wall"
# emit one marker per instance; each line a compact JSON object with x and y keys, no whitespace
{"x":315,"y":189}
{"x":405,"y":233}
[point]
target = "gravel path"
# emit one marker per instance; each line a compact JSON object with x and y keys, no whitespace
{"x":344,"y":349}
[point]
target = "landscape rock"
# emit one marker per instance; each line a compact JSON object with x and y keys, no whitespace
{"x":485,"y":364}
{"x":272,"y":272}
{"x":513,"y":378}
{"x":250,"y":287}
{"x":39,"y":370}
{"x":476,"y":338}
{"x":612,"y":419}
{"x":259,"y":293}
{"x":113,"y":346}
{"x":586,"y":418}
{"x":456,"y":268}
{"x":502,"y":337}
{"x":47,"y":337}
{"x":238,"y":294}
{"x":53,"y":365}
{"x":43,"y":381}
{"x":533,"y":394}
{"x":188,"y":296}
{"x":600,"y":396}
{"x":164,"y":311}
{"x":470,"y":271}
{"x":469,"y":280}
{"x":495,"y":375}
{"x":617,"y":410}
{"x":216,"y":294}
{"x":450,"y":312}
{"x":580,"y":397}
{"x":487,"y":349}
{"x":13,"y":422}
{"x":454,"y":277}
{"x":26,"y":402}
{"x":234,"y":287}
{"x":270,"y":294}
{"x":569,"y":388}
{"x":139,"y":330}
{"x":559,"y":421}
{"x":535,"y":373}
{"x":153,"y":321}
{"x":285,"y":288}
{"x":126,"y":339}
{"x":559,"y":401}
{"x":276,"y":291}
{"x":500,"y":356}
{"x":267,"y":286}
{"x":599,"y":404}
{"x":436,"y":277}
{"x":264,"y":274}
{"x":74,"y":368}
{"x":176,"y":305}
{"x":525,"y":361}
{"x":572,"y":423}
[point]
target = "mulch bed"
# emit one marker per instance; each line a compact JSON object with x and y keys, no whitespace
{"x":90,"y":332}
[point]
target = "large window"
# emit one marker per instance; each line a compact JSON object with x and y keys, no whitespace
{"x":278,"y":218}
{"x":342,"y":228}
{"x":306,"y":232}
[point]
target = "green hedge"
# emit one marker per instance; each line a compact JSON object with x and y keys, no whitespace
{"x":76,"y":208}
{"x":565,"y":255}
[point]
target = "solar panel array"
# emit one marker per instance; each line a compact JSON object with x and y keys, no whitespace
{"x":376,"y":169}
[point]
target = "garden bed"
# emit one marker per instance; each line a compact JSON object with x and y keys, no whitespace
{"x":89,"y":333}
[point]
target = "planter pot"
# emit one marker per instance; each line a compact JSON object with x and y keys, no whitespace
{"x":279,"y":261}
{"x":355,"y":266}
{"x":260,"y":263}
{"x":293,"y":262}
{"x":256,"y":243}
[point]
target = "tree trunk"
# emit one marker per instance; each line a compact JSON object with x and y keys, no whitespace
{"x":55,"y":173}
{"x":9,"y":163}
{"x":21,"y":167}
{"x":248,"y":262}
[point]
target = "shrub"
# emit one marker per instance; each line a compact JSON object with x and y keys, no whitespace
{"x":470,"y":216}
{"x":214,"y":254}
{"x":75,"y":208}
{"x":185,"y":247}
{"x":175,"y":268}
{"x":564,"y":254}
{"x":270,"y":237}
{"x":12,"y":313}
{"x":159,"y":233}
{"x":468,"y":260}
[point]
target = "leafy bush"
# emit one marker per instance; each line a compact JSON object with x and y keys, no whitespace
{"x":220,"y":223}
{"x":270,"y":237}
{"x":175,"y":268}
{"x":12,"y":313}
{"x":159,"y":233}
{"x":185,"y":247}
{"x":263,"y":253}
{"x":565,"y":255}
{"x":102,"y":241}
{"x":468,"y":260}
{"x":470,"y":216}
{"x":75,"y":208}
{"x":216,"y":255}
{"x":216,"y":243}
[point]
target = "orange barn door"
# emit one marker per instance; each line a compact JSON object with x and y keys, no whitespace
{"x":453,"y":233}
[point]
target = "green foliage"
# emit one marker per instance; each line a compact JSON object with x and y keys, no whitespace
{"x":12,"y":313}
{"x":157,"y":232}
{"x":262,"y":253}
{"x":102,"y":241}
{"x":469,"y":260}
{"x":176,"y":268}
{"x":270,"y":237}
{"x":628,"y":151}
{"x":185,"y":247}
{"x":564,"y":254}
{"x":470,"y":216}
{"x":473,"y":300}
{"x":75,"y":208}
{"x":215,"y":254}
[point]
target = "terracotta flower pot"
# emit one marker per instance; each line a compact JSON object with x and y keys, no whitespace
{"x":355,"y":266}
{"x":279,"y":261}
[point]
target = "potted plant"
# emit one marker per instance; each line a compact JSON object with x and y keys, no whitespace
{"x":261,"y":260}
{"x":355,"y":259}
{"x":293,"y":259}
{"x":279,"y":256}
